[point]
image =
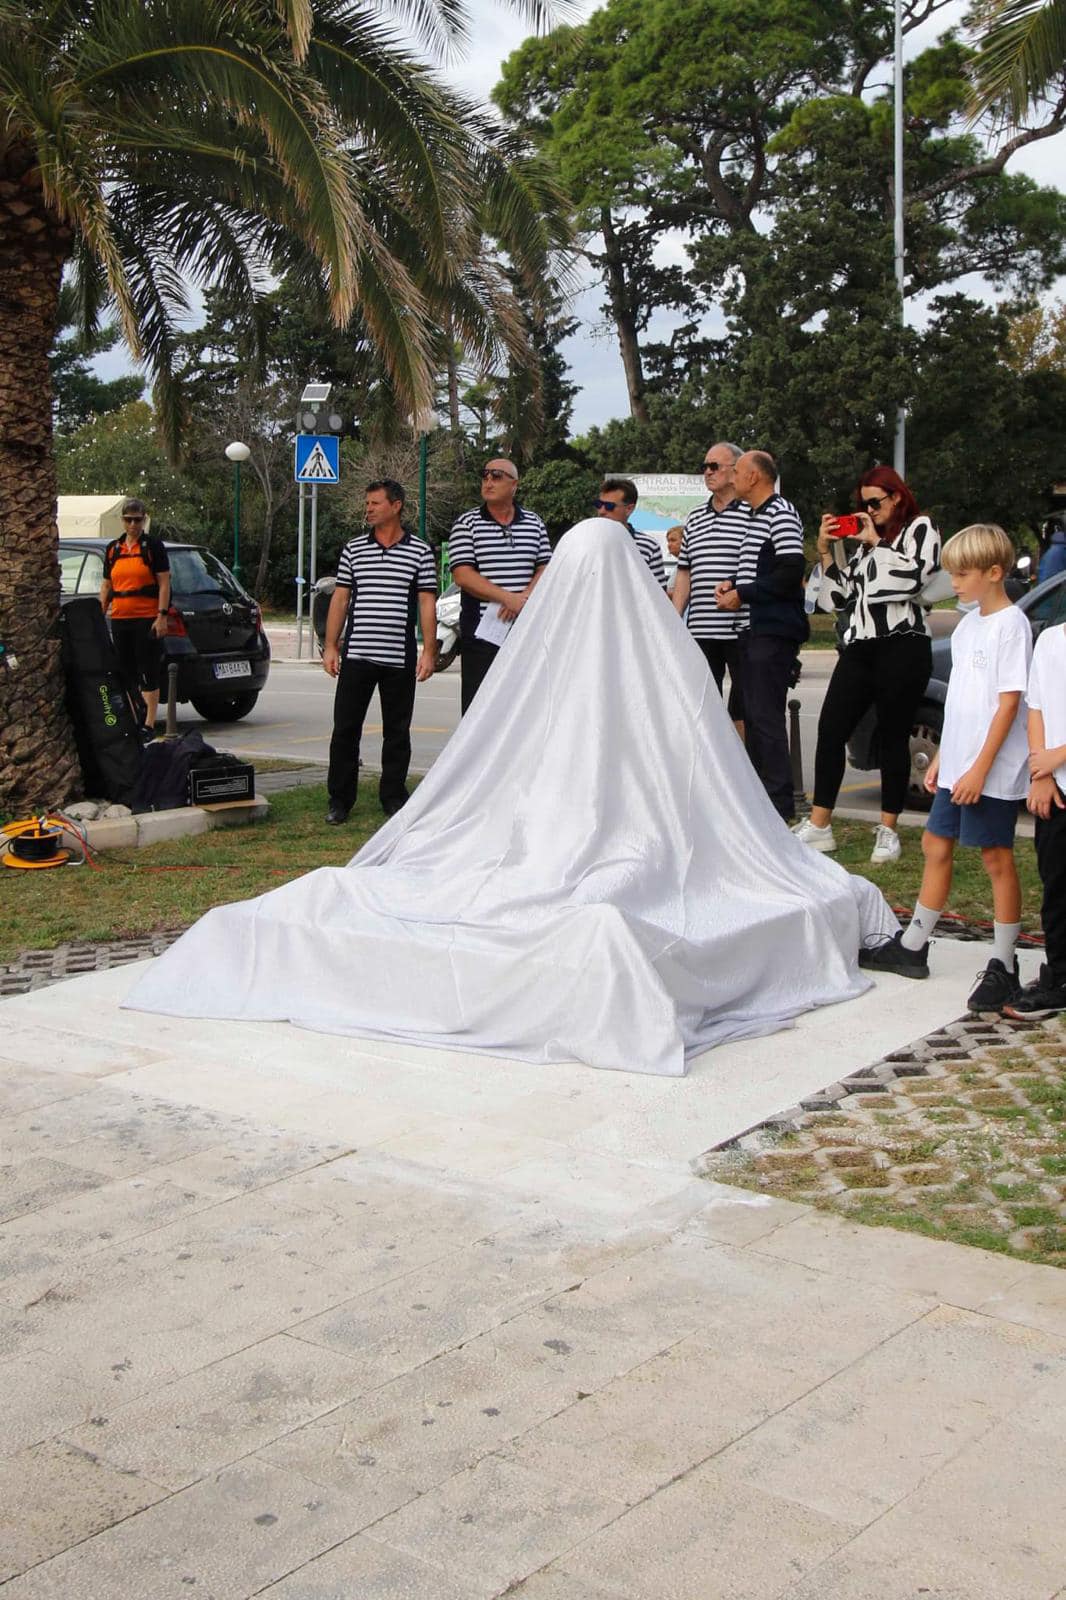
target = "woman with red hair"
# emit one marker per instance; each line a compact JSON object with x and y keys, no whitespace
{"x":875,"y":579}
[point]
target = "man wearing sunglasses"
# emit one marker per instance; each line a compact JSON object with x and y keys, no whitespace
{"x":136,"y":586}
{"x":498,"y":551}
{"x":710,"y":550}
{"x":617,"y":501}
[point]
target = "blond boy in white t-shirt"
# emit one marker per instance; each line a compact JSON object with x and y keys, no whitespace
{"x":980,"y":772}
{"x":1047,"y":801}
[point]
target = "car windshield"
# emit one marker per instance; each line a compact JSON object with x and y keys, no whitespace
{"x":198,"y":572}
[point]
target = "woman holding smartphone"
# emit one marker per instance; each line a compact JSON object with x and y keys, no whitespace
{"x":874,"y":579}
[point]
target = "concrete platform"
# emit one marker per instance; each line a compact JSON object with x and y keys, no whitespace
{"x":152,"y":827}
{"x":324,"y":1319}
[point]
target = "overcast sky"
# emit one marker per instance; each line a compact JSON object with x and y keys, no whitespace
{"x":592,"y":353}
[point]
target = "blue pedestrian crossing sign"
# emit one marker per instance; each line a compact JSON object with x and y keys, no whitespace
{"x":318,"y":458}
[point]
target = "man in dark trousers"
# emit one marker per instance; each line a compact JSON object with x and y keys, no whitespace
{"x":136,"y":586}
{"x":498,"y":551}
{"x":769,"y":581}
{"x":384,"y":577}
{"x":710,"y":549}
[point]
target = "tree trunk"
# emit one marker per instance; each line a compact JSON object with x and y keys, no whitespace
{"x":264,"y":551}
{"x":622,"y":316}
{"x":455,"y":421}
{"x":38,"y":760}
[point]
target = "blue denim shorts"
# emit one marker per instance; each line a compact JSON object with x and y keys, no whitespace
{"x":987,"y":825}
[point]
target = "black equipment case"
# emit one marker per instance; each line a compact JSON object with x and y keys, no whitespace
{"x":218,"y":778}
{"x":108,"y":740}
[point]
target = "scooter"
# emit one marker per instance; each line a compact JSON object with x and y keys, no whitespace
{"x":448,"y":606}
{"x":447,"y":618}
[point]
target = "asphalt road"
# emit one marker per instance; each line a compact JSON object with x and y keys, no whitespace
{"x":293,"y":720}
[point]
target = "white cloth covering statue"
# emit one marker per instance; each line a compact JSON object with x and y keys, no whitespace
{"x":591,"y":870}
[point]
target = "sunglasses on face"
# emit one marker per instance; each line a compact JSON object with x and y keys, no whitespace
{"x":711,"y":466}
{"x":496,"y":475}
{"x":607,"y":505}
{"x":132,"y":519}
{"x":875,"y":504}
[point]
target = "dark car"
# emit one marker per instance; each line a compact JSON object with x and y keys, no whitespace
{"x":214,"y":627}
{"x":1044,"y":606}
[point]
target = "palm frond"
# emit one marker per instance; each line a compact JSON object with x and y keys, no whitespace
{"x":1022,"y":53}
{"x":395,"y":110}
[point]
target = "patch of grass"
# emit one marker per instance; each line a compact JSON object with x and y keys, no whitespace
{"x":1036,"y":1217}
{"x":1014,"y":1191}
{"x":899,"y":881}
{"x":137,"y":892}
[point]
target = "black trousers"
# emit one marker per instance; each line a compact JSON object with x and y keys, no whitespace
{"x":720,"y":654}
{"x":767,"y":664}
{"x":475,"y":659}
{"x":891,"y":675}
{"x":356,"y":683}
{"x":1051,"y":860}
{"x":139,"y":652}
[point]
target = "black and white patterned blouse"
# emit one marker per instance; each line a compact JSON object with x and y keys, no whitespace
{"x":879,"y":587}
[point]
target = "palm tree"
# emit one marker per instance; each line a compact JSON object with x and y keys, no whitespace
{"x":152,"y":147}
{"x":1022,"y":55}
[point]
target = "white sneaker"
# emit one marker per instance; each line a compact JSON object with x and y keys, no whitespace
{"x":818,"y":838}
{"x":886,"y":846}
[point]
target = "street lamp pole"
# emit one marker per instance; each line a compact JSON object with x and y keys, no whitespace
{"x":237,"y":452}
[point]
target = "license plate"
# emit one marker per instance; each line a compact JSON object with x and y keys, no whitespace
{"x":233,"y":669}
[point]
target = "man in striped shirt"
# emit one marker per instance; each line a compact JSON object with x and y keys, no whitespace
{"x":617,"y":502}
{"x":710,"y":550}
{"x":769,"y":583}
{"x":383,"y":576}
{"x":498,"y":551}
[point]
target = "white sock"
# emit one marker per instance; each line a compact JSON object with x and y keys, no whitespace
{"x":920,"y":927}
{"x":1004,"y":938}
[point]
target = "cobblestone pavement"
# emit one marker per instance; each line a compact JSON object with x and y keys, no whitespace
{"x":966,"y":1131}
{"x":36,"y":969}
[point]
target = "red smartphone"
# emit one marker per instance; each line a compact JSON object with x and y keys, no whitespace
{"x":847,"y":528}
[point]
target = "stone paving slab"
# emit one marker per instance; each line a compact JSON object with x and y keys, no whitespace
{"x":244,"y":1352}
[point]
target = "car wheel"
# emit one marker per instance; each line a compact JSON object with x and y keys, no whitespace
{"x":227,"y":708}
{"x":925,"y":742}
{"x":446,"y":657}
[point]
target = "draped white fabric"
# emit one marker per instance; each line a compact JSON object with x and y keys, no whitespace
{"x":590,"y":871}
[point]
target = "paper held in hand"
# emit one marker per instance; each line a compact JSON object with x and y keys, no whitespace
{"x":491,"y":628}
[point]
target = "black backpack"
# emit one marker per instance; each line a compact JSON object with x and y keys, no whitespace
{"x":164,"y":781}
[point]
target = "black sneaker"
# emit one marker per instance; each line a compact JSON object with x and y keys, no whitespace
{"x":1046,"y":994}
{"x":337,"y":813}
{"x":995,"y":987}
{"x":891,"y":955}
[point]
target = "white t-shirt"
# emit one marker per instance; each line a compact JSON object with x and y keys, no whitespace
{"x":1047,"y":690}
{"x":989,"y":657}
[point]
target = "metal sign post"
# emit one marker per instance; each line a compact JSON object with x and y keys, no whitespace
{"x":317,"y":460}
{"x":314,"y":565}
{"x":300,"y":580}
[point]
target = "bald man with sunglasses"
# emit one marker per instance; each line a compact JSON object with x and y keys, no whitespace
{"x":498,"y":551}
